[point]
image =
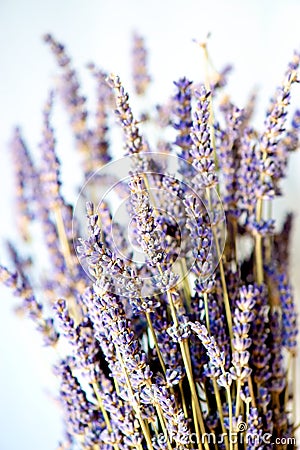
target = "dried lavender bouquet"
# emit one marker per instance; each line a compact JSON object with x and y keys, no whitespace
{"x":165,"y":288}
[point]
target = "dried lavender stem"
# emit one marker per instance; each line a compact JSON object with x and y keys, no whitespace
{"x":187,"y":365}
{"x":116,"y":385}
{"x":100,"y":403}
{"x":215,"y":386}
{"x":163,"y":426}
{"x":186,"y":356}
{"x":184,"y":407}
{"x":222,"y":274}
{"x":196,"y":425}
{"x":135,"y":407}
{"x":294,"y":389}
{"x":62,"y":235}
{"x":220,"y":408}
{"x":269,"y":238}
{"x":150,"y":325}
{"x":250,"y":384}
{"x":229,"y":400}
{"x":206,"y":312}
{"x":195,"y":401}
{"x":152,"y":199}
{"x":225,"y":292}
{"x":186,"y":359}
{"x":238,"y":399}
{"x":235,"y":233}
{"x":288,"y":370}
{"x":155,"y":429}
{"x":258,"y":246}
{"x":104,"y":413}
{"x":185,"y":283}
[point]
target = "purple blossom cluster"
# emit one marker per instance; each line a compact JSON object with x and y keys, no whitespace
{"x":168,"y":330}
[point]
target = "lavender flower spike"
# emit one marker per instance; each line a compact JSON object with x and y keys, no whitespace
{"x":134,"y":142}
{"x":49,"y":174}
{"x":24,"y":180}
{"x":289,"y":315}
{"x":70,"y":91}
{"x":202,"y":151}
{"x":216,"y":357}
{"x":145,"y":222}
{"x":275,"y":125}
{"x":182,"y":120}
{"x":243,"y":316}
{"x":141,"y":78}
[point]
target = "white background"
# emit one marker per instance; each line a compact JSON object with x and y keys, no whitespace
{"x":257,"y":36}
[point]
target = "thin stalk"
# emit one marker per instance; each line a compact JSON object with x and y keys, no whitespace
{"x":220,"y":409}
{"x":184,"y":407}
{"x":187,"y":365}
{"x":230,"y":417}
{"x":206,"y":312}
{"x":185,"y":283}
{"x":136,"y":407}
{"x":294,"y":389}
{"x":259,"y":259}
{"x":66,"y":251}
{"x":251,"y":390}
{"x":288,"y":371}
{"x":163,"y":426}
{"x":269,"y":240}
{"x":247,"y":411}
{"x":150,"y":325}
{"x":225,"y":291}
{"x":62,"y":236}
{"x":196,"y":425}
{"x":152,"y":199}
{"x":154,"y":429}
{"x":222,"y":274}
{"x":215,"y":385}
{"x":195,"y":401}
{"x":116,"y":386}
{"x":103,"y":411}
{"x":238,"y":400}
{"x":101,"y":406}
{"x":258,"y":239}
{"x":234,"y":239}
{"x":296,"y":427}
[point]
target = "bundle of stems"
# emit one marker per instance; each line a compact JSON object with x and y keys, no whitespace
{"x":178,"y":328}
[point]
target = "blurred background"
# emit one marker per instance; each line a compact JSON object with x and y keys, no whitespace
{"x":258,"y":37}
